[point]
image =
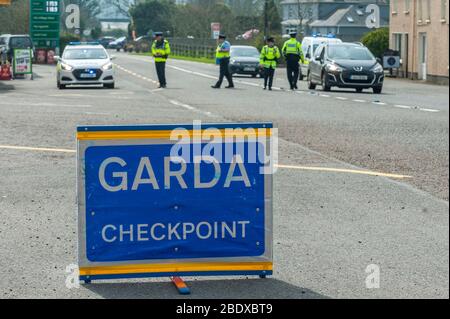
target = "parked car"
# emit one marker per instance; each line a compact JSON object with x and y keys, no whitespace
{"x":244,"y":60}
{"x":345,"y":65}
{"x":118,"y":44}
{"x":141,"y":44}
{"x":309,"y":46}
{"x":105,"y":41}
{"x":10,"y":42}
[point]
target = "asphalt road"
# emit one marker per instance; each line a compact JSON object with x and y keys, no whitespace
{"x":330,"y":222}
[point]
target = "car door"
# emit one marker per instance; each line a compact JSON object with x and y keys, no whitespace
{"x":316,"y":64}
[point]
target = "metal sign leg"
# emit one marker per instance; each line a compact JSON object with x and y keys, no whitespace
{"x":183,"y":289}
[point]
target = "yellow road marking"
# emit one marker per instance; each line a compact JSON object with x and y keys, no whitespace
{"x":39,"y":149}
{"x":306,"y":168}
{"x":343,"y":170}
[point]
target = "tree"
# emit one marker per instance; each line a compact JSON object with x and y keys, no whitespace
{"x":304,"y":14}
{"x":377,"y":41}
{"x":14,"y":18}
{"x":271,"y":20}
{"x":152,"y":15}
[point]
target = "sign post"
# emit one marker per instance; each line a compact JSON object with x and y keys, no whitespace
{"x":45,"y":24}
{"x":174,"y":200}
{"x":22,"y":62}
{"x":215,"y":30}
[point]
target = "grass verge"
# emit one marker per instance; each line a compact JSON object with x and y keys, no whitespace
{"x":185,"y":58}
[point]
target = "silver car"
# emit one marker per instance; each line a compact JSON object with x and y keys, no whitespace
{"x":85,"y":64}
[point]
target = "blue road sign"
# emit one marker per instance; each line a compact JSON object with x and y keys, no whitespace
{"x":141,"y":205}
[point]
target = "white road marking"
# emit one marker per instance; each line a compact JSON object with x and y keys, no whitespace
{"x":341,"y":98}
{"x":429,"y":110}
{"x":403,"y":106}
{"x":44,"y":104}
{"x":359,"y":101}
{"x":379,"y":103}
{"x":186,"y":106}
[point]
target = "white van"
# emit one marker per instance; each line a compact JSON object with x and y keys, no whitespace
{"x":309,"y":46}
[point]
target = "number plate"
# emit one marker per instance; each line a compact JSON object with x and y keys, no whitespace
{"x":249,"y":69}
{"x":359,"y":77}
{"x":88,"y":75}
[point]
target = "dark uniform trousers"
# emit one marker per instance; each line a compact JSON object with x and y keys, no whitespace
{"x":268,"y":76}
{"x":293,"y":69}
{"x":161,"y":71}
{"x":225,"y":72}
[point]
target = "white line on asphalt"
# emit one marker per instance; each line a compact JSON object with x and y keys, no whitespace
{"x":403,"y":106}
{"x":429,"y":110}
{"x":183,"y":105}
{"x":379,"y":103}
{"x":341,"y":98}
{"x":44,"y":104}
{"x":359,"y":101}
{"x":324,"y":95}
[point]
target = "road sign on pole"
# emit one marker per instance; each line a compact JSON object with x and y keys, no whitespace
{"x":45,"y":23}
{"x":152,"y":204}
{"x":215,"y":30}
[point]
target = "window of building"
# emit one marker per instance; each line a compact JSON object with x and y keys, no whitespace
{"x":407,"y":6}
{"x":420,"y":10}
{"x":443,"y":10}
{"x":428,"y":16}
{"x":394,"y":6}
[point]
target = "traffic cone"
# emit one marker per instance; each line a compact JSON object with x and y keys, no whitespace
{"x":5,"y":72}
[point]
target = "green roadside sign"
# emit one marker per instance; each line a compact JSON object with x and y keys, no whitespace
{"x":45,"y":23}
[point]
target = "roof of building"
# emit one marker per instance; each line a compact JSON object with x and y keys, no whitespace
{"x":352,"y":16}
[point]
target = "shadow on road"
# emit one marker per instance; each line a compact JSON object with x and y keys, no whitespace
{"x":6,"y":86}
{"x":206,"y":289}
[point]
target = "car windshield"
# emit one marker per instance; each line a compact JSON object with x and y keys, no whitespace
{"x":349,"y":52}
{"x":20,"y":42}
{"x":245,"y":52}
{"x":85,"y":54}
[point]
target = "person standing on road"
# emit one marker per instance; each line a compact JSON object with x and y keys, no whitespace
{"x":160,"y":52}
{"x":268,"y":60}
{"x":223,"y":59}
{"x":292,"y":51}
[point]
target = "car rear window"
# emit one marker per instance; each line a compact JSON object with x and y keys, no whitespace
{"x":20,"y":42}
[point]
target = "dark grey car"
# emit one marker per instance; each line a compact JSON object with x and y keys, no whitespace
{"x":244,"y":60}
{"x":345,"y":65}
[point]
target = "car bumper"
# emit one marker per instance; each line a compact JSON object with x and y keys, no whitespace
{"x":74,"y":77}
{"x":344,"y":80}
{"x":241,"y":69}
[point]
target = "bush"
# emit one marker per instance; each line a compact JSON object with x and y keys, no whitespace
{"x":377,"y":41}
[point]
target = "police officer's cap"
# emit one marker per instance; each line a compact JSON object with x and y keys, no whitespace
{"x":271,"y":39}
{"x":222,"y":36}
{"x":158,"y":34}
{"x":293,"y":34}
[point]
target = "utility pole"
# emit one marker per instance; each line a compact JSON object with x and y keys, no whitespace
{"x":266,"y":19}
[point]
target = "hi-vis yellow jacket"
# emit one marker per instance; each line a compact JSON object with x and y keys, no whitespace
{"x":269,"y":57}
{"x":161,"y":51}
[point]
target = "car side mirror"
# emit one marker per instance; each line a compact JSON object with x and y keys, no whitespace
{"x":57,"y":58}
{"x":317,"y":58}
{"x":379,"y":61}
{"x":308,"y":56}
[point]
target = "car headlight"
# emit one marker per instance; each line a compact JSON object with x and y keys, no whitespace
{"x":334,"y":68}
{"x":107,"y":66}
{"x":378,"y":69}
{"x":66,"y":67}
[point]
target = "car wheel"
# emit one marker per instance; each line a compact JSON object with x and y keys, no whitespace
{"x":311,"y":85}
{"x":110,"y":85}
{"x":377,"y":90}
{"x":325,"y":86}
{"x":254,"y":75}
{"x":61,"y":86}
{"x":359,"y":90}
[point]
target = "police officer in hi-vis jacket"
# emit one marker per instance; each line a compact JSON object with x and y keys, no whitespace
{"x":160,"y":52}
{"x":268,"y":61}
{"x":223,"y":59}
